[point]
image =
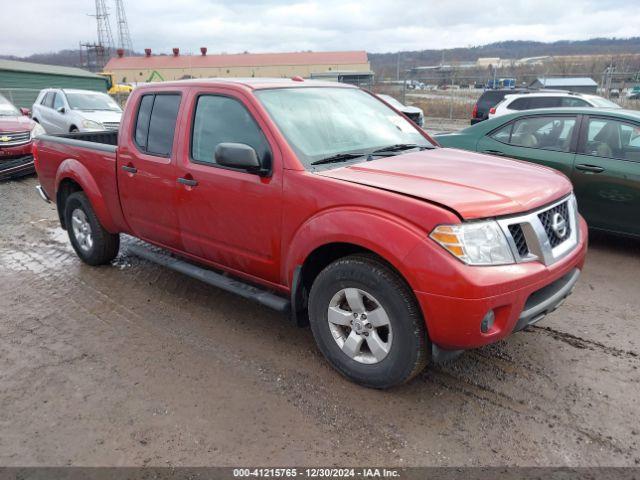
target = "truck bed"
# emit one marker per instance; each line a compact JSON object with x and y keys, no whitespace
{"x":106,"y":140}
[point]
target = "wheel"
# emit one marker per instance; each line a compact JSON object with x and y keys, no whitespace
{"x":92,"y":243}
{"x":366,"y":322}
{"x":74,"y":130}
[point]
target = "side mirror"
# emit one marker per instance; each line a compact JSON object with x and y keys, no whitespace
{"x":25,"y":111}
{"x":238,"y":155}
{"x":60,"y":110}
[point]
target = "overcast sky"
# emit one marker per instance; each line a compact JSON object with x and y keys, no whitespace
{"x":38,"y":26}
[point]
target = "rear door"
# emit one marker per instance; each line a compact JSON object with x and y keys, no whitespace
{"x":59,"y":113}
{"x":606,"y":174}
{"x":231,"y":217}
{"x":44,"y":115}
{"x":548,"y":140}
{"x":146,"y":173}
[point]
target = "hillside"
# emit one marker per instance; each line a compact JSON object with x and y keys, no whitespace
{"x":386,"y":62}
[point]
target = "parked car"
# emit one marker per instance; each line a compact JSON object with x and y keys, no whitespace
{"x":598,"y":149}
{"x":396,"y":251}
{"x":634,"y":93}
{"x":17,"y":132}
{"x":542,"y":99}
{"x":415,"y":114}
{"x":487,"y":100}
{"x":65,"y":110}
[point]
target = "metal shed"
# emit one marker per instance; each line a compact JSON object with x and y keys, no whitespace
{"x":20,"y":82}
{"x":572,"y":84}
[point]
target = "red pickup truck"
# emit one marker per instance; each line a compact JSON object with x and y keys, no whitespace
{"x":321,"y":200}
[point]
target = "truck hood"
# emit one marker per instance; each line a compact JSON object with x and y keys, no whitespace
{"x":472,"y":184}
{"x":15,"y":124}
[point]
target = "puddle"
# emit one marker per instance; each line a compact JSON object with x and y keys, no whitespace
{"x":58,"y":234}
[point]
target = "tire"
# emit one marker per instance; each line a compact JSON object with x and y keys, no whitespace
{"x":404,"y":342}
{"x":91,"y":242}
{"x":74,"y":130}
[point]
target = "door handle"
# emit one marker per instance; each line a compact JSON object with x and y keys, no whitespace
{"x":190,"y":182}
{"x":129,"y":168}
{"x":589,"y":168}
{"x":495,"y":152}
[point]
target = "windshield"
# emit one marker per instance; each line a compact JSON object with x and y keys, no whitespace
{"x":320,"y":122}
{"x":91,"y":101}
{"x":603,"y":103}
{"x":7,"y":109}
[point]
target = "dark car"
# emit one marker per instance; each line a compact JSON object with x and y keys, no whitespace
{"x":488,"y":99}
{"x":598,"y":149}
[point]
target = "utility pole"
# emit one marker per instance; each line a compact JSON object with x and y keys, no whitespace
{"x":124,"y":37}
{"x":104,"y":46}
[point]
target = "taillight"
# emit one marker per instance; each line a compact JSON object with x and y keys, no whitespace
{"x":34,"y":152}
{"x":492,"y":110}
{"x":474,"y":113}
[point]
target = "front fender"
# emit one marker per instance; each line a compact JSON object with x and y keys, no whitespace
{"x":389,"y":237}
{"x":74,"y":170}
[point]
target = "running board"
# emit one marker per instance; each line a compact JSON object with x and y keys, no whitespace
{"x":213,"y":278}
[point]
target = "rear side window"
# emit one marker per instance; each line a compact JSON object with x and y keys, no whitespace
{"x":221,"y":119}
{"x":519,"y":104}
{"x":156,"y":123}
{"x":544,"y":102}
{"x":47,"y":101}
{"x":545,"y":133}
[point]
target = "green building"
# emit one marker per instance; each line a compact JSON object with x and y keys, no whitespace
{"x":21,"y":82}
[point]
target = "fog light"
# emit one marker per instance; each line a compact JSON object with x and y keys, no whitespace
{"x":487,"y":322}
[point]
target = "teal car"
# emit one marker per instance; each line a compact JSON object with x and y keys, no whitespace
{"x":598,"y":149}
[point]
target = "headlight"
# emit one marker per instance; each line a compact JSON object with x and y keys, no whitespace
{"x":92,"y":125}
{"x":36,"y":131}
{"x":475,"y":243}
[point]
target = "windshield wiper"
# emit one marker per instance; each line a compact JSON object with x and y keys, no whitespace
{"x":399,"y":147}
{"x":340,"y":157}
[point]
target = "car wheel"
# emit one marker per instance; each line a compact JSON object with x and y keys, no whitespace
{"x":366,"y":322}
{"x":74,"y":130}
{"x":91,"y":242}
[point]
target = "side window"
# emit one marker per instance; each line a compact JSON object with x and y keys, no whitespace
{"x":544,"y":102}
{"x":573,"y":102}
{"x":156,"y":123}
{"x":503,"y":134}
{"x":47,"y":101}
{"x":612,"y":139}
{"x":519,"y":104}
{"x":546,"y":133}
{"x":58,"y":101}
{"x":221,"y":119}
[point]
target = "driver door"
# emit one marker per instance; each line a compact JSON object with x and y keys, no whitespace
{"x":231,"y":217}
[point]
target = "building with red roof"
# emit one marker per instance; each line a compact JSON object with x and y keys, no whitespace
{"x":351,"y":66}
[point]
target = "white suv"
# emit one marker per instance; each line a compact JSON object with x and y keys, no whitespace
{"x":530,"y":101}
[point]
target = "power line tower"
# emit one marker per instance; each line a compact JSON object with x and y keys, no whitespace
{"x":124,"y":37}
{"x":104,"y":46}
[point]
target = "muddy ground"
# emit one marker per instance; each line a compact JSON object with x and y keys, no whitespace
{"x":132,"y":364}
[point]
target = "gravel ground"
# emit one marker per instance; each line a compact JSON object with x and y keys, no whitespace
{"x":132,"y":364}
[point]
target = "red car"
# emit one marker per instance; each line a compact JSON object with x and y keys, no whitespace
{"x":17,"y":132}
{"x":320,"y":200}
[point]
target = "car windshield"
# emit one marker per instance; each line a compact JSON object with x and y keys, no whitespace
{"x":603,"y":103}
{"x":7,"y":109}
{"x":324,"y":122}
{"x":91,"y":101}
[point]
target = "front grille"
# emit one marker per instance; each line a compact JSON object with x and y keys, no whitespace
{"x":547,"y":219}
{"x":544,"y":235}
{"x":519,"y":239}
{"x":111,"y":125}
{"x":14,"y":138}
